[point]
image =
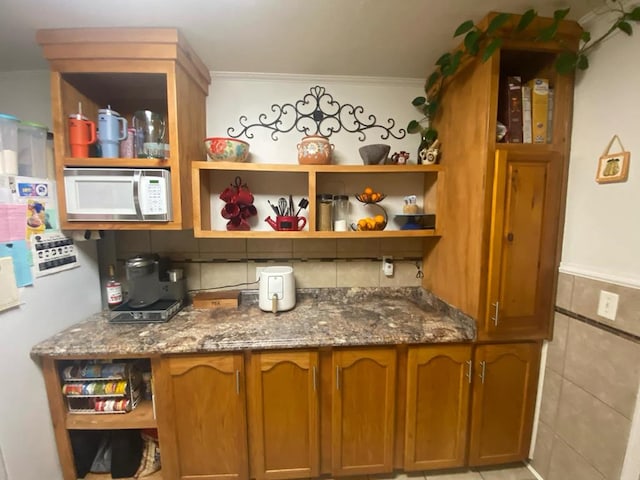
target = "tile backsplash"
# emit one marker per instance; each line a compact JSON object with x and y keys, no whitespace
{"x":317,"y":263}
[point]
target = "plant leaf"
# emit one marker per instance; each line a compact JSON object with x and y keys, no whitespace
{"x":431,"y":81}
{"x":414,"y":127}
{"x":526,"y":19}
{"x":497,"y":22}
{"x":472,"y":42}
{"x":432,"y":108}
{"x":585,"y":36}
{"x":560,"y":14}
{"x":445,"y":59}
{"x":583,"y":62}
{"x":635,"y":14}
{"x":566,"y":62}
{"x":493,"y":45}
{"x":430,"y":135}
{"x":546,"y":34}
{"x":464,"y":28}
{"x":416,"y":102}
{"x":625,"y":27}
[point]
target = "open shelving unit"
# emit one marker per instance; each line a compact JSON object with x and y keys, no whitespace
{"x":276,"y":180}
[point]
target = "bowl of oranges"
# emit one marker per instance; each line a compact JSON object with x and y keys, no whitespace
{"x":375,"y":222}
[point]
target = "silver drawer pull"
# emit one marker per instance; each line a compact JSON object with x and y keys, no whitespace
{"x":496,"y":314}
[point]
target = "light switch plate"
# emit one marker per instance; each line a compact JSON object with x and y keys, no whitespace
{"x":608,"y":305}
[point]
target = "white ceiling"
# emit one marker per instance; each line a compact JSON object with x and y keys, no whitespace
{"x":389,"y":38}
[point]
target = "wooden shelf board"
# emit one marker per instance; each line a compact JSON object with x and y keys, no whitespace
{"x":288,"y":167}
{"x":106,"y":476}
{"x":100,"y":162}
{"x":139,"y":417}
{"x":305,"y":234}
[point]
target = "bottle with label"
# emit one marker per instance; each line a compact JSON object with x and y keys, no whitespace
{"x":113,"y":289}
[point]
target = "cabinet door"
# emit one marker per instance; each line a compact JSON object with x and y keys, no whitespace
{"x":437,"y":406}
{"x":206,"y":417}
{"x":504,"y":395}
{"x":363,"y":408}
{"x":524,"y":244}
{"x":283,"y":414}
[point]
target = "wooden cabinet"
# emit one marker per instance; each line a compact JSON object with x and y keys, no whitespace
{"x":437,"y":406}
{"x":504,"y":395}
{"x":524,"y":235}
{"x":129,"y":69}
{"x":362,"y":411}
{"x":269,"y":182}
{"x":200,"y":402}
{"x":283,"y":409}
{"x":499,"y":249}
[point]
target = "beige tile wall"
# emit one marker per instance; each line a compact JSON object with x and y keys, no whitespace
{"x":317,"y":263}
{"x":590,"y":385}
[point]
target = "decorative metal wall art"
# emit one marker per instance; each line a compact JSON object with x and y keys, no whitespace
{"x":317,"y":113}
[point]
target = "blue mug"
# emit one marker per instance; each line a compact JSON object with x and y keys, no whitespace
{"x":112,"y":128}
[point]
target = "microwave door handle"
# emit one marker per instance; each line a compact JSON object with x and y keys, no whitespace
{"x":137,"y":174}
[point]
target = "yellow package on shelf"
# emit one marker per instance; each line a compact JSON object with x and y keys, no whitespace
{"x":539,"y":107}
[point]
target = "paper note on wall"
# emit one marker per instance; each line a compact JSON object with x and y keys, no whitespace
{"x":8,"y":290}
{"x":12,"y":222}
{"x":20,"y":255}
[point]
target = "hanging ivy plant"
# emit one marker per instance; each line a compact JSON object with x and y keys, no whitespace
{"x":484,"y":43}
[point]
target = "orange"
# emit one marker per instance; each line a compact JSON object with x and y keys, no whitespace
{"x":368,"y":190}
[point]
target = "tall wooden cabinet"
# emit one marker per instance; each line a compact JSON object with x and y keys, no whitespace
{"x":363,"y":409}
{"x":129,"y":69}
{"x":502,"y":209}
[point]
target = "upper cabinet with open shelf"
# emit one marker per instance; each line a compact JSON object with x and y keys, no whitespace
{"x":269,"y":182}
{"x":129,"y":69}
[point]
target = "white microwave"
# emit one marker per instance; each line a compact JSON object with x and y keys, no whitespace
{"x":118,"y":194}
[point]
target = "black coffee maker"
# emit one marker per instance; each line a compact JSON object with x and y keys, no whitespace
{"x":149,"y":281}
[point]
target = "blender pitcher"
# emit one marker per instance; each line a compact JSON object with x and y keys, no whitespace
{"x":150,"y":131}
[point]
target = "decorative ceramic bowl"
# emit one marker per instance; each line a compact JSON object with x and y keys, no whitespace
{"x":374,"y":154}
{"x":222,"y":149}
{"x":315,"y":150}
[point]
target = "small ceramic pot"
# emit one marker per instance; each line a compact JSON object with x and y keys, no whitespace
{"x":315,"y":150}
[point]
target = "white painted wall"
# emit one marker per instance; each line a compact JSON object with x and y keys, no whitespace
{"x":602,"y":227}
{"x":27,"y":445}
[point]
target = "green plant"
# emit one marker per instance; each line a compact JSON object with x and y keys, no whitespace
{"x":484,"y":43}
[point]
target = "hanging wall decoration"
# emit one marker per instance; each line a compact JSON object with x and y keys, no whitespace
{"x":613,"y":167}
{"x":317,"y":113}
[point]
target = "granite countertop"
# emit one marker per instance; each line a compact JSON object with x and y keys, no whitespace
{"x":321,"y":318}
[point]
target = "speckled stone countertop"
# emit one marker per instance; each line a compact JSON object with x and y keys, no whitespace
{"x":321,"y":317}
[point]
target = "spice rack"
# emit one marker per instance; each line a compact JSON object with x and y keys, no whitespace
{"x":101,"y":388}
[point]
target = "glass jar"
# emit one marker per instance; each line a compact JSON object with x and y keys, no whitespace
{"x":340,"y":213}
{"x":324,"y":217}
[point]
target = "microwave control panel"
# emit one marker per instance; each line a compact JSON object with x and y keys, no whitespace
{"x":52,"y":252}
{"x":153,"y":200}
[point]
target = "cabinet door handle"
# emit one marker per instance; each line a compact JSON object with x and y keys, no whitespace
{"x":469,"y":364}
{"x":496,"y":312}
{"x":314,"y":379}
{"x":337,"y":378}
{"x":238,"y":382}
{"x":483,"y":366}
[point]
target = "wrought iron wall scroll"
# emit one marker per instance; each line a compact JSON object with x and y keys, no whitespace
{"x":317,"y":113}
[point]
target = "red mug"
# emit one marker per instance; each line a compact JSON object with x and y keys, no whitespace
{"x":287,"y":223}
{"x":82,"y":133}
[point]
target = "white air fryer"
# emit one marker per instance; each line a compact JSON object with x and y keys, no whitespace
{"x":277,"y":292}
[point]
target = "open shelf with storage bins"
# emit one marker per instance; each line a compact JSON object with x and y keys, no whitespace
{"x":272,"y":181}
{"x":65,"y":420}
{"x":129,"y":69}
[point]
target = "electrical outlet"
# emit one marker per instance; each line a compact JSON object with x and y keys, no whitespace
{"x":608,"y":305}
{"x":387,"y":266}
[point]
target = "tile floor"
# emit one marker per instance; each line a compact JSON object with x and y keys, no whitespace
{"x":511,"y":472}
